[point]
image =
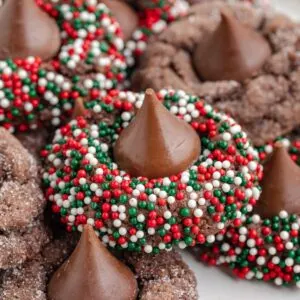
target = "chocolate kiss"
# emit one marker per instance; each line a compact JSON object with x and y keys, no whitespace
{"x":91,"y":272}
{"x":79,"y":108}
{"x":125,"y":15}
{"x":27,"y":31}
{"x":232,"y":52}
{"x":280,"y":185}
{"x":156,"y":143}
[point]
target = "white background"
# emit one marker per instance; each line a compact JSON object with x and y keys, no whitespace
{"x":214,"y":284}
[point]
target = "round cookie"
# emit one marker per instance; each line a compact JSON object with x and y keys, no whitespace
{"x":22,"y":203}
{"x":168,"y":62}
{"x":29,"y":281}
{"x":274,"y":259}
{"x":85,"y":185}
{"x":163,"y":275}
{"x":155,"y":17}
{"x":91,"y":55}
{"x":266,"y":246}
{"x":37,"y":92}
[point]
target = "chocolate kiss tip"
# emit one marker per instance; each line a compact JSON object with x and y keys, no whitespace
{"x":232,"y":52}
{"x":156,"y":143}
{"x":92,"y":272}
{"x":280,"y":185}
{"x":79,"y":108}
{"x":26,"y":30}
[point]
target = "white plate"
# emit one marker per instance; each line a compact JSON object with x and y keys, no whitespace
{"x":213,"y":284}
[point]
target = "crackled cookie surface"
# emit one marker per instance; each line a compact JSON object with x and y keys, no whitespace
{"x":21,"y":203}
{"x":267,"y":102}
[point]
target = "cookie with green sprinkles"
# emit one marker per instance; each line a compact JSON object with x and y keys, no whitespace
{"x":266,"y":246}
{"x":32,"y":97}
{"x":92,"y":44}
{"x":38,"y":82}
{"x":154,"y":18}
{"x":149,"y":205}
{"x":103,"y":55}
{"x":39,"y":87}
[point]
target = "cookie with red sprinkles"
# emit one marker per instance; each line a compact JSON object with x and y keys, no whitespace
{"x":154,"y":18}
{"x":262,"y":249}
{"x":91,"y":53}
{"x":293,"y":146}
{"x":85,"y":185}
{"x":92,"y":56}
{"x":38,"y":92}
{"x":266,"y":246}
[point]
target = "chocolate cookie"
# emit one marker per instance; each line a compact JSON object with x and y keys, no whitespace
{"x":82,"y":39}
{"x":163,"y":276}
{"x":21,"y":197}
{"x":22,"y":233}
{"x":183,"y":199}
{"x":85,"y":51}
{"x":16,"y":247}
{"x":267,"y":103}
{"x":266,"y":246}
{"x":58,"y":250}
{"x":29,"y":281}
{"x":34,"y":141}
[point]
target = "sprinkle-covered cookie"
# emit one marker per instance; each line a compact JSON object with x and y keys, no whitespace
{"x":208,"y":53}
{"x":266,"y":246}
{"x":38,"y":86}
{"x":86,"y":185}
{"x":155,"y":17}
